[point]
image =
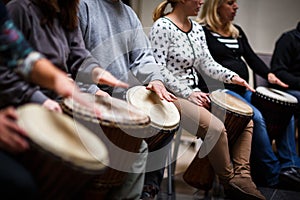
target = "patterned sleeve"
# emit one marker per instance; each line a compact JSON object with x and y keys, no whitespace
{"x":210,"y":66}
{"x":159,"y":37}
{"x":15,"y":51}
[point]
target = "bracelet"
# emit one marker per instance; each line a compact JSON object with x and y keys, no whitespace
{"x":25,"y":66}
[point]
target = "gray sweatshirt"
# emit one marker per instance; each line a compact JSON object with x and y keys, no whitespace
{"x":115,"y":37}
{"x":65,"y":49}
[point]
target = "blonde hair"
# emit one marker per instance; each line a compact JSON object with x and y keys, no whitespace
{"x":159,"y":11}
{"x":209,"y":16}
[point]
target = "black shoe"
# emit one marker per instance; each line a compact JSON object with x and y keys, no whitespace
{"x":146,"y":196}
{"x":289,"y":178}
{"x":149,"y":192}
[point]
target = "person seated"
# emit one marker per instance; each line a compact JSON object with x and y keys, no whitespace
{"x":59,"y":40}
{"x":114,"y":35}
{"x":180,"y":47}
{"x":285,"y":63}
{"x":229,"y":46}
{"x":16,"y":54}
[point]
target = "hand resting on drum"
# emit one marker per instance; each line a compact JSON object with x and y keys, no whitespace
{"x":102,"y":93}
{"x":239,"y":81}
{"x":274,"y":80}
{"x":159,"y":88}
{"x":52,"y":105}
{"x":11,"y":134}
{"x":200,"y":99}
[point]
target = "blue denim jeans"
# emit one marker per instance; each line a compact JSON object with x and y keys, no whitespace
{"x":295,"y":93}
{"x":265,"y":164}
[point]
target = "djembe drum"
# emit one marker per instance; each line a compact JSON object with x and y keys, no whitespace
{"x":277,"y":108}
{"x":235,"y":114}
{"x":164,"y":115}
{"x":64,"y":155}
{"x":121,"y":128}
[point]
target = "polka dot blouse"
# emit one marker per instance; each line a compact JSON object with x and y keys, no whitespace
{"x":182,"y":54}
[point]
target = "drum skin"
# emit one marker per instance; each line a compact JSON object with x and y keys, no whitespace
{"x":63,"y":157}
{"x":277,"y":108}
{"x":235,"y":114}
{"x":164,"y":115}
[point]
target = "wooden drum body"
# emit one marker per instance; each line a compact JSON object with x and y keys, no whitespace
{"x":277,"y":108}
{"x":120,"y":127}
{"x":164,"y":115}
{"x":64,"y":155}
{"x":235,"y":114}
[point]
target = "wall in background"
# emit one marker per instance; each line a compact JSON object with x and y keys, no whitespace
{"x":262,"y":20}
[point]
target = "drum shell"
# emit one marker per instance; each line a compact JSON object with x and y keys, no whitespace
{"x":117,"y":136}
{"x":56,"y":178}
{"x":113,"y":132}
{"x":159,"y":136}
{"x":230,"y":120}
{"x":277,"y":114}
{"x":200,"y":173}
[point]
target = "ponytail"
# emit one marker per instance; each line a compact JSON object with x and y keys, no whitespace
{"x":160,"y":10}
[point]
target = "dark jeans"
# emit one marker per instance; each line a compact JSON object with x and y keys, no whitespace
{"x":156,"y":161}
{"x":265,"y":164}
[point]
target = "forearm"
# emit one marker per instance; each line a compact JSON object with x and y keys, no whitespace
{"x":49,"y":73}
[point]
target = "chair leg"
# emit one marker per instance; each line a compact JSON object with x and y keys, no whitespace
{"x":170,"y":176}
{"x":172,"y":162}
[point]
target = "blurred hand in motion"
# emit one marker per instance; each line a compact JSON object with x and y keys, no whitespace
{"x":276,"y":81}
{"x":52,"y":105}
{"x":101,"y":76}
{"x":11,"y":135}
{"x":159,"y":88}
{"x":239,"y":81}
{"x":102,"y":93}
{"x":200,"y":99}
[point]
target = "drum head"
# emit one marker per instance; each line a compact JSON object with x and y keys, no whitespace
{"x":114,"y":112}
{"x":62,"y":137}
{"x":276,"y":95}
{"x":163,"y":114}
{"x":230,"y":103}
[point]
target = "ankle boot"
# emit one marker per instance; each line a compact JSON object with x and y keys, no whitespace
{"x":242,"y":188}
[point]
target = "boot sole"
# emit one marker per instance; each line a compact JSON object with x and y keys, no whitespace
{"x":238,"y":194}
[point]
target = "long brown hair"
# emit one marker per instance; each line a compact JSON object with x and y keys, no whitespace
{"x":65,"y":10}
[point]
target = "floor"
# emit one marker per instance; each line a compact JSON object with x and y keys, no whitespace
{"x":182,"y":191}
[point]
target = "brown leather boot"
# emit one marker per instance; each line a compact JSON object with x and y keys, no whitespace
{"x":242,"y":188}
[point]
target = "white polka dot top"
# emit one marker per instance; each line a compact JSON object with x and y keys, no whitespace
{"x":181,"y":54}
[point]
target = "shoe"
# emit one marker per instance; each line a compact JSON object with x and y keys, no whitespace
{"x":289,"y":178}
{"x":146,"y":196}
{"x":149,"y":192}
{"x":243,"y":188}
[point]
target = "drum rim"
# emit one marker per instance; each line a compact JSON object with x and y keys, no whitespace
{"x":91,"y":164}
{"x":154,"y":124}
{"x":230,"y":109}
{"x":88,"y":116}
{"x":277,"y":101}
